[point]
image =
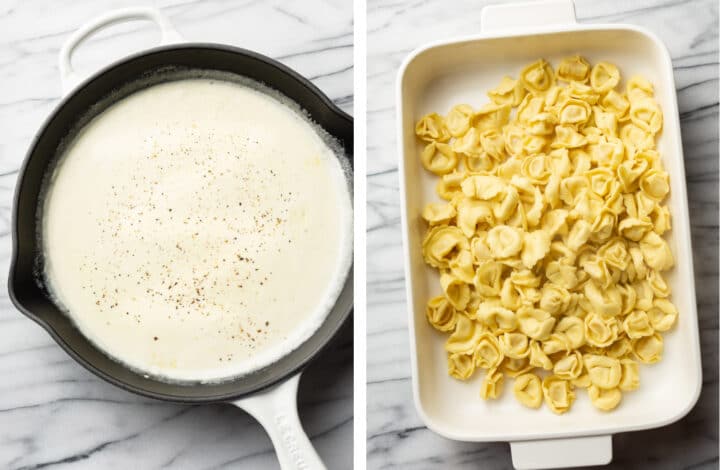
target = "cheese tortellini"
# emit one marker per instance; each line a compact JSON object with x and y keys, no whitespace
{"x":549,"y":236}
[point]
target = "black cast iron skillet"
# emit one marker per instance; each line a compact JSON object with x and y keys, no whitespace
{"x":31,"y":298}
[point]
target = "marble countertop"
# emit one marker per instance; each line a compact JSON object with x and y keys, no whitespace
{"x":397,"y":438}
{"x":53,"y":413}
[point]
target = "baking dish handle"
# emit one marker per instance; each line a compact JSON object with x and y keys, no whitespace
{"x":519,"y":15}
{"x":70,"y":78}
{"x":561,"y":453}
{"x":276,"y":410}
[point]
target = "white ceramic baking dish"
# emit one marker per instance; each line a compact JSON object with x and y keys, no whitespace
{"x":460,"y":70}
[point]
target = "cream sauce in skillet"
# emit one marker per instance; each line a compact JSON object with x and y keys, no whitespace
{"x":197,"y":230}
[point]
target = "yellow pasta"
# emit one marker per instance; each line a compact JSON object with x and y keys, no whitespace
{"x":441,"y":314}
{"x":439,"y":213}
{"x":574,"y":69}
{"x":468,"y":144}
{"x":466,"y":336}
{"x":639,"y":88}
{"x":461,"y":267}
{"x":582,"y":382}
{"x":622,"y":348}
{"x":492,"y":384}
{"x":558,"y":393}
{"x":460,"y":365}
{"x":637,"y":325}
{"x":504,"y":241}
{"x":515,"y":367}
{"x":509,"y":91}
{"x":572,"y":330}
{"x":604,"y":77}
{"x":455,"y":290}
{"x":648,"y":349}
{"x":449,"y":185}
{"x":491,"y":116}
{"x":600,"y":331}
{"x":537,"y":77}
{"x":630,"y":375}
{"x":549,"y":241}
{"x":656,"y":252}
{"x":442,"y":244}
{"x":497,"y":318}
{"x":604,"y":371}
{"x":615,"y":103}
{"x":488,"y":354}
{"x":458,"y":120}
{"x":439,"y":158}
{"x":662,"y":315}
{"x":528,"y":390}
{"x":535,"y":323}
{"x":569,"y":367}
{"x":515,"y":345}
{"x":538,"y":358}
{"x":603,"y":398}
{"x":535,"y":247}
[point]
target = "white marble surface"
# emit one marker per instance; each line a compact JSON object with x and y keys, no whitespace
{"x":54,"y":414}
{"x":397,"y":438}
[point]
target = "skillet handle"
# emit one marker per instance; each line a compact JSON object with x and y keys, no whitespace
{"x":561,"y":453}
{"x":69,"y":78}
{"x":276,"y":410}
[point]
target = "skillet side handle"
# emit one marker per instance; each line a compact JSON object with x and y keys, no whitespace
{"x":69,"y":78}
{"x":519,"y":15}
{"x":276,"y":410}
{"x":561,"y":453}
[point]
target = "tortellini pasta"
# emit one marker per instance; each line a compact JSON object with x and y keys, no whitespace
{"x":604,"y":371}
{"x":569,"y":367}
{"x":648,"y":349}
{"x":509,"y":91}
{"x":492,"y":384}
{"x":528,"y":390}
{"x":458,"y":120}
{"x":604,"y":77}
{"x":630,"y":378}
{"x":573,"y":69}
{"x":537,"y":77}
{"x":504,"y":241}
{"x":441,"y":314}
{"x":515,"y":345}
{"x":558,"y":393}
{"x":432,"y":128}
{"x":439,"y":213}
{"x":549,"y":239}
{"x":488,"y":354}
{"x":604,"y":399}
{"x":466,"y":336}
{"x":461,"y":366}
{"x":439,"y":158}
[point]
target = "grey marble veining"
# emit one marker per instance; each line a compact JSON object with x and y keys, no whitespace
{"x":397,"y":438}
{"x":54,"y":414}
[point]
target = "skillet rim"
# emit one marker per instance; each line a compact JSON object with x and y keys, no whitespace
{"x":273,"y":378}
